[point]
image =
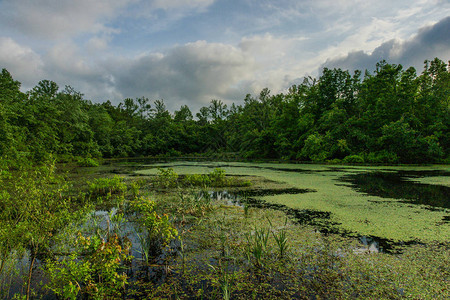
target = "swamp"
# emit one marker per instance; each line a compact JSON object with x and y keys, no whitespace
{"x":336,"y":187}
{"x":226,"y":230}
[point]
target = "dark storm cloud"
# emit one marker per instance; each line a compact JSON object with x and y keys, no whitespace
{"x":430,"y":42}
{"x":195,"y":72}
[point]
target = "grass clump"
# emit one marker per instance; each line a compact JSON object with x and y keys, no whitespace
{"x":168,"y":178}
{"x":106,"y":187}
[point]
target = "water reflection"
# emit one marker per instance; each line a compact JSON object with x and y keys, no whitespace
{"x":397,"y":186}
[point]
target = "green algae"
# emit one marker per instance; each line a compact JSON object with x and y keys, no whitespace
{"x":354,"y":211}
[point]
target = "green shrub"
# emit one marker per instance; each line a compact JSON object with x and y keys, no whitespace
{"x":353,"y":159}
{"x":167,"y":178}
{"x":157,"y":229}
{"x":382,"y":157}
{"x":87,"y":162}
{"x":201,"y":180}
{"x":217,"y":177}
{"x":91,"y":271}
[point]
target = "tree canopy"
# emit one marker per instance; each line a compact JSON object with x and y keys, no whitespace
{"x":389,"y":116}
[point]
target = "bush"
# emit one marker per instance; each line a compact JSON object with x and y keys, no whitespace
{"x":158,"y":231}
{"x":95,"y":275}
{"x":353,"y":159}
{"x":197,"y":180}
{"x":167,"y":178}
{"x":217,"y":177}
{"x":87,"y":162}
{"x":382,"y":157}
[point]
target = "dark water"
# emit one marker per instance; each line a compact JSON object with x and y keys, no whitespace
{"x":381,"y":184}
{"x":397,"y":186}
{"x":320,"y":219}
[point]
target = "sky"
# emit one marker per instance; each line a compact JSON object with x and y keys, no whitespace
{"x":190,"y":52}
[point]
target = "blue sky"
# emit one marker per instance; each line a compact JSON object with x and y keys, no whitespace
{"x":189,"y":52}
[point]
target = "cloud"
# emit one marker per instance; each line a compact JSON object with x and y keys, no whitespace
{"x":195,"y":73}
{"x":113,"y":49}
{"x":65,"y":19}
{"x":429,"y":42}
{"x":59,"y":19}
{"x":180,"y":4}
{"x":21,"y":61}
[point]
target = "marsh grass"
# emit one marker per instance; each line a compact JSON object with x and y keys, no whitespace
{"x":281,"y":239}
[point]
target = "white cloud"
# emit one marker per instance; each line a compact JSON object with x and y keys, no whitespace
{"x":249,"y":45}
{"x":59,"y":19}
{"x":65,"y":58}
{"x":180,"y":4}
{"x":98,"y":44}
{"x":21,"y":61}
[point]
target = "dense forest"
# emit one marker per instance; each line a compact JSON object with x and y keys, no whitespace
{"x":390,"y":116}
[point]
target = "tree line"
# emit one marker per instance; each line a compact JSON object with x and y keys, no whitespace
{"x":391,"y":115}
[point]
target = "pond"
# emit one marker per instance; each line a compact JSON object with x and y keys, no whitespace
{"x":319,"y":212}
{"x":381,"y":203}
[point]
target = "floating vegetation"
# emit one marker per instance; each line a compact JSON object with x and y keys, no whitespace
{"x":329,"y":193}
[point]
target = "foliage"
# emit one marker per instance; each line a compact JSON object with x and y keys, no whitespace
{"x":217,"y":177}
{"x":158,"y":231}
{"x":106,"y":187}
{"x":353,"y":159}
{"x":201,"y":180}
{"x":96,"y":275}
{"x":167,"y":178}
{"x":87,"y":162}
{"x":35,"y":206}
{"x":391,"y":111}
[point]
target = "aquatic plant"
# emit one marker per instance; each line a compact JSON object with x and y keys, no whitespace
{"x":93,"y":270}
{"x":257,"y":246}
{"x":281,"y":239}
{"x":102,"y":189}
{"x":167,"y":178}
{"x":224,"y":279}
{"x":200,"y":180}
{"x":158,"y":229}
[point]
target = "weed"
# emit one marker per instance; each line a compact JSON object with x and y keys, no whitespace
{"x":167,"y":178}
{"x":282,"y":242}
{"x":103,"y":188}
{"x":224,"y":280}
{"x":217,"y":177}
{"x":201,"y":180}
{"x":158,"y":229}
{"x":281,"y":239}
{"x":257,"y":245}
